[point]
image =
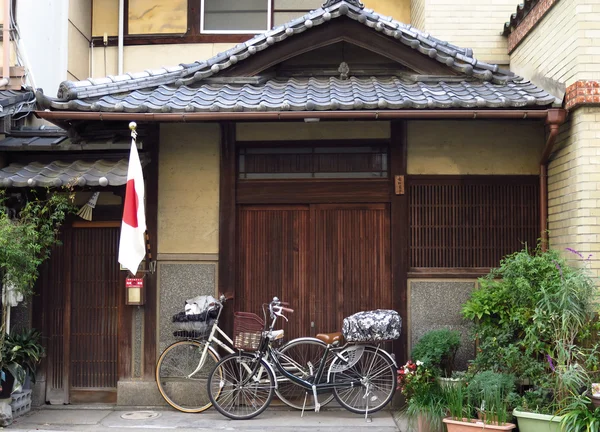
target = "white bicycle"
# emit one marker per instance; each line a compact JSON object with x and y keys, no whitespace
{"x":183,"y":367}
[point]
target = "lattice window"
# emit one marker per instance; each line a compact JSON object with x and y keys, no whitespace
{"x":313,"y":162}
{"x":471,"y":222}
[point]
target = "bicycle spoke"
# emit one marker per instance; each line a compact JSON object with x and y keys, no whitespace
{"x":240,"y":394}
{"x":181,"y":389}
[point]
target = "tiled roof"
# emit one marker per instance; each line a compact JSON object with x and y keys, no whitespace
{"x":58,"y":173}
{"x":307,"y":94}
{"x":15,"y":101}
{"x":516,"y":18}
{"x":459,"y":59}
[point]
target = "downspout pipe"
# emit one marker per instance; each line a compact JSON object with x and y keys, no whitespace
{"x":121,"y":31}
{"x":6,"y":45}
{"x":556,"y":117}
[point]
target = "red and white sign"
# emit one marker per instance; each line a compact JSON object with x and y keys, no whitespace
{"x":132,"y":245}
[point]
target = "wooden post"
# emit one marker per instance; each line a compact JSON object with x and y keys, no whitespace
{"x":400,"y":232}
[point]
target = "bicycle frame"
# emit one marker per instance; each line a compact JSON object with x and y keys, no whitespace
{"x":213,"y":337}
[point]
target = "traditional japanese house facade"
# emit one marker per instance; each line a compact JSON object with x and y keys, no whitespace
{"x":342,"y":161}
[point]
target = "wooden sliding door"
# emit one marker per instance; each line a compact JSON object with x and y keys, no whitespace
{"x":328,"y":260}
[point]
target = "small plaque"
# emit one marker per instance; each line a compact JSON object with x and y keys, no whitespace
{"x":399,"y":184}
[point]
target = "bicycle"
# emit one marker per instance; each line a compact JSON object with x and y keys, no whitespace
{"x":241,"y":385}
{"x":183,"y":367}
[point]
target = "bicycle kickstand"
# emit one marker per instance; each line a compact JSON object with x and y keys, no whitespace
{"x":317,"y":404}
{"x":304,"y":404}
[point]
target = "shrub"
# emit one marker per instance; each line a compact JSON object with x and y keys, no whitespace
{"x":437,"y":349}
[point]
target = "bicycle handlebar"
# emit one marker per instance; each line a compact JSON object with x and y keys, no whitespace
{"x":284,"y":309}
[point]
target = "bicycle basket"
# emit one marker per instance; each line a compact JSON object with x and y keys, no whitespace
{"x":193,"y":329}
{"x":247,"y":331}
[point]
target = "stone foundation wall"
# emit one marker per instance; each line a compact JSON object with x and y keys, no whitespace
{"x":436,"y":304}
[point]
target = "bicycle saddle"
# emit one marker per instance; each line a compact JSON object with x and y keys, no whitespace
{"x":330,"y":338}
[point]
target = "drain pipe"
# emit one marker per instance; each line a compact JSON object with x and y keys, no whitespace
{"x":121,"y":30}
{"x":556,"y":117}
{"x":6,"y":45}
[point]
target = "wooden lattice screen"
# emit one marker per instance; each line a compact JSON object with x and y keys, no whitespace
{"x":471,"y":222}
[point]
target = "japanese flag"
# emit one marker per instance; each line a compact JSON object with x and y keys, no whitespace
{"x":132,"y":246}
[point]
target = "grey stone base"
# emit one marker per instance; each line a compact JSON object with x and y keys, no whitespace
{"x":38,"y":394}
{"x":437,"y":304}
{"x":139,"y":393}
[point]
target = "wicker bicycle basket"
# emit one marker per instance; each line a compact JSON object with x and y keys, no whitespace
{"x":247,"y":331}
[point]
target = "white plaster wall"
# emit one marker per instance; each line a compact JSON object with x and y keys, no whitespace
{"x":44,"y":25}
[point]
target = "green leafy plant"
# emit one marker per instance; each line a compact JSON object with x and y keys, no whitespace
{"x":437,"y":349}
{"x":422,"y":392}
{"x":457,"y":402}
{"x":491,"y":392}
{"x":26,"y":239}
{"x":577,"y":417}
{"x":26,"y":350}
{"x":532,"y":317}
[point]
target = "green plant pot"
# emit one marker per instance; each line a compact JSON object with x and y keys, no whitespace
{"x":532,"y":422}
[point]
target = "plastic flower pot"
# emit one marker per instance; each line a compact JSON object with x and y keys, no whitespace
{"x":532,"y":422}
{"x":472,"y":425}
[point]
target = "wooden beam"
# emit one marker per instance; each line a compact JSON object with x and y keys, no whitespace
{"x":312,"y":191}
{"x":400,"y":235}
{"x":151,"y":306}
{"x":227,"y":219}
{"x":343,"y":29}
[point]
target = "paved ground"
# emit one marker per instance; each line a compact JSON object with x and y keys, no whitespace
{"x":108,"y":418}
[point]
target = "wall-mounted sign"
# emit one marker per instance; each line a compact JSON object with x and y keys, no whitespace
{"x":135,"y":292}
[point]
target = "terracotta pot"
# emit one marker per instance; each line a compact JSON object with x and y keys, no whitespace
{"x":472,"y":425}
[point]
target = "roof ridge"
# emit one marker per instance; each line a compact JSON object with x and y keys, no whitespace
{"x":457,"y":58}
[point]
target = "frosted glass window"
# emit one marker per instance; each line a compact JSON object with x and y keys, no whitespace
{"x":236,"y":16}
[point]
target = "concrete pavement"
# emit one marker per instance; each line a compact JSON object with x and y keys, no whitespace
{"x":136,"y":419}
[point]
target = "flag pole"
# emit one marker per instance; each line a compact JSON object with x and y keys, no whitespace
{"x":151,"y":266}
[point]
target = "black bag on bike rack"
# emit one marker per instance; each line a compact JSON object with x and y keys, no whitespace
{"x":372,"y":326}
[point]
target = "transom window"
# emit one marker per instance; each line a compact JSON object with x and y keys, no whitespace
{"x":364,"y":162}
{"x":235,"y":16}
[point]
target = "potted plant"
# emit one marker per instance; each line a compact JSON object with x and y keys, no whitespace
{"x":531,"y":316}
{"x":580,"y":417}
{"x":425,"y":406}
{"x":437,"y":350}
{"x":494,"y":409}
{"x":484,"y":386}
{"x":27,"y":351}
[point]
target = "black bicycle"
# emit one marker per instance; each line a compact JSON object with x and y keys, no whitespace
{"x":361,"y":375}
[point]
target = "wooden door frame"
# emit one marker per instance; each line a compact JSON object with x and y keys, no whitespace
{"x":399,"y":214}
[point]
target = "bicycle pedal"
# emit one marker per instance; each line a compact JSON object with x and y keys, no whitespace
{"x":317,"y":407}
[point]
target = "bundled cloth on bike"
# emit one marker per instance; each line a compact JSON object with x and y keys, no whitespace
{"x":372,"y":326}
{"x":199,"y":313}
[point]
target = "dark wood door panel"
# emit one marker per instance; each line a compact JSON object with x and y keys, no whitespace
{"x":80,"y":285}
{"x":352,"y":262}
{"x":329,"y":261}
{"x":94,"y":308}
{"x":273,"y":261}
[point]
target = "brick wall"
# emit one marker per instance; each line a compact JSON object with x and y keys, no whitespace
{"x":563,"y":47}
{"x":417,"y":13}
{"x":473,"y":24}
{"x":573,"y":179}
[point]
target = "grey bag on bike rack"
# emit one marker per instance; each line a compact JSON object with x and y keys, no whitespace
{"x":372,"y":326}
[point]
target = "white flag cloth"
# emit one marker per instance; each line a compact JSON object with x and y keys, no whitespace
{"x":132,"y":246}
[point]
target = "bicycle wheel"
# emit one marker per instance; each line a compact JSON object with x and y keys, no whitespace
{"x":236,"y":391}
{"x":377,"y":374}
{"x":302,"y":358}
{"x":181,"y":390}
